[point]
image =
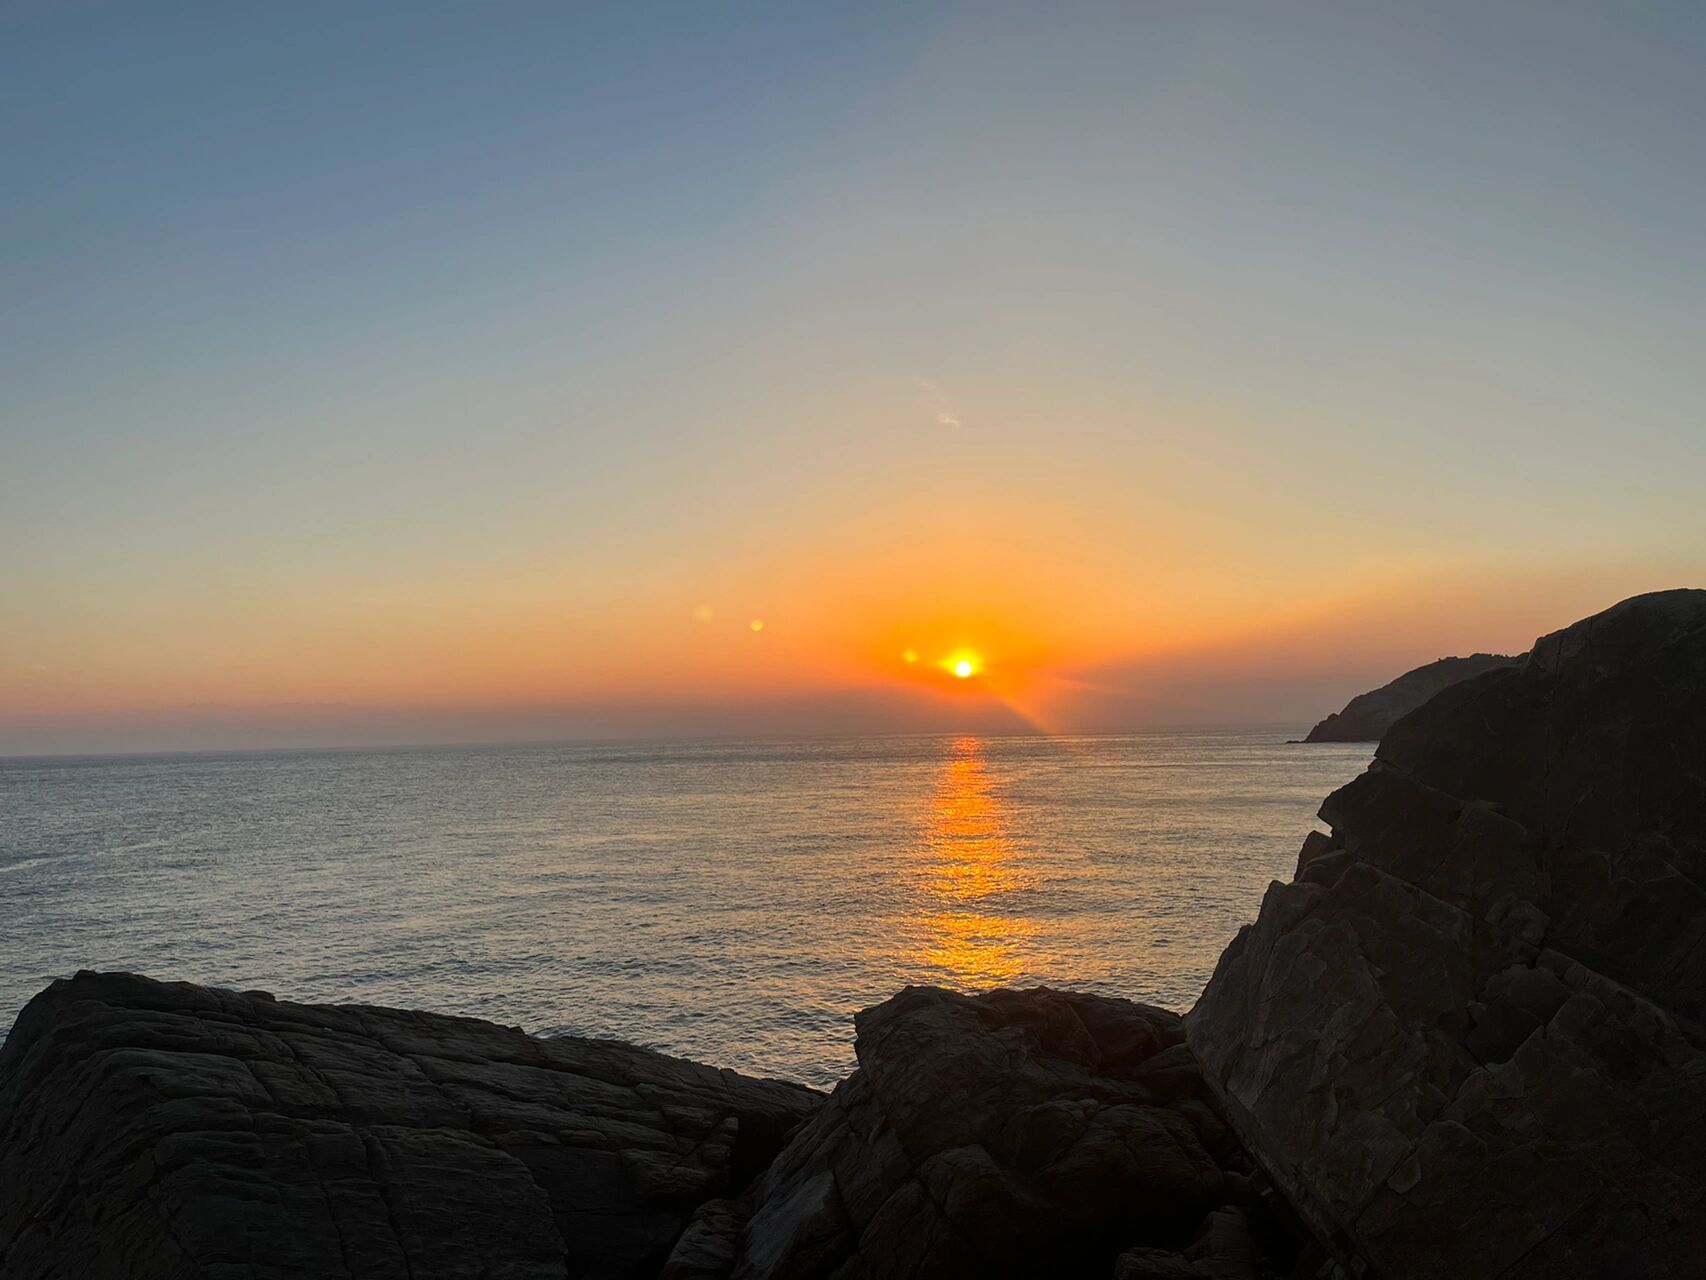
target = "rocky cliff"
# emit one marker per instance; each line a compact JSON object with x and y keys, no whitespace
{"x":1466,"y":1039}
{"x":1368,"y":716}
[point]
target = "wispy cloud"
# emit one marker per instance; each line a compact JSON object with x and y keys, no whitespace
{"x":937,"y":401}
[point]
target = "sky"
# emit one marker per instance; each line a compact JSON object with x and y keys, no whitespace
{"x":486,"y":371}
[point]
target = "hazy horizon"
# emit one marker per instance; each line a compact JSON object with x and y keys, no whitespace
{"x":446,"y":372}
{"x":319,"y":746}
{"x":1197,"y":691}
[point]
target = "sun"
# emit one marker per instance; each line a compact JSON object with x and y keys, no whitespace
{"x":960,"y":663}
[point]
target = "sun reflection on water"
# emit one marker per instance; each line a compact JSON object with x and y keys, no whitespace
{"x":968,"y":867}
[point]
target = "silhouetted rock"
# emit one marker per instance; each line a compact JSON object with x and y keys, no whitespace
{"x":153,"y":1130}
{"x":167,"y":1130}
{"x":1015,"y":1133}
{"x":1226,"y":1247}
{"x":1368,"y":716}
{"x":1466,"y":1038}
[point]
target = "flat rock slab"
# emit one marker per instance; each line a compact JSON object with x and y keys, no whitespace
{"x":155,"y":1129}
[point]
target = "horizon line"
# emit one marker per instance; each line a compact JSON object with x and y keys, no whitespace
{"x":664,"y":740}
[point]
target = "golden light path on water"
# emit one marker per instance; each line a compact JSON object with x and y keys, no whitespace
{"x":733,"y":902}
{"x":967,"y":863}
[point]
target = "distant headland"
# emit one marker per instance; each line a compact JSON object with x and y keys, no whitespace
{"x":1368,"y":716}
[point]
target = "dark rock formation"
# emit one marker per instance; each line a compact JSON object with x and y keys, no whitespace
{"x":152,"y":1130}
{"x":1466,"y":1039}
{"x":1368,"y":716}
{"x":166,"y":1130}
{"x":1015,"y":1133}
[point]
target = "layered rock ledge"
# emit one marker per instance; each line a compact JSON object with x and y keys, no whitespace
{"x":1466,"y":1039}
{"x":155,"y":1129}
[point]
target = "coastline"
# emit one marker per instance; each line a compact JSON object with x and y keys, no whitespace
{"x":1441,"y":1046}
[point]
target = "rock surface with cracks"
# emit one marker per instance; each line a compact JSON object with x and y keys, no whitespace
{"x":1466,"y":1039}
{"x":152,"y":1130}
{"x":1015,"y":1133}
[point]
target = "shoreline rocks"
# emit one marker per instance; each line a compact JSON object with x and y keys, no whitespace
{"x":153,"y":1129}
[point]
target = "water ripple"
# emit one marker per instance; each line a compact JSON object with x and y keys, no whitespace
{"x":732,"y":902}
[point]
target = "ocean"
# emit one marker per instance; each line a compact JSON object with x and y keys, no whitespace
{"x":731,"y":902}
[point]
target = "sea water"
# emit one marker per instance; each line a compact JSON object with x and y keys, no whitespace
{"x":731,"y":902}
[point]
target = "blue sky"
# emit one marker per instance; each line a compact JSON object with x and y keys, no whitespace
{"x":327,"y":329}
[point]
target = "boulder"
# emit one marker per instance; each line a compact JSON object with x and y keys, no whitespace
{"x":152,"y":1130}
{"x":1368,"y":716}
{"x":1015,"y":1133}
{"x":1466,"y":1039}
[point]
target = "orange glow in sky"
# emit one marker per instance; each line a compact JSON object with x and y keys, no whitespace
{"x":883,"y":640}
{"x":697,"y":408}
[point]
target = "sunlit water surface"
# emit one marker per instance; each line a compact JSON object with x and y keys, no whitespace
{"x":733,"y":902}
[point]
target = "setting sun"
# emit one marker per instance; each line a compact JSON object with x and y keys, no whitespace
{"x":962,"y":664}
